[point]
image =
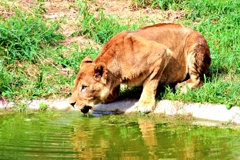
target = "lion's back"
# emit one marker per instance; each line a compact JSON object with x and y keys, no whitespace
{"x":173,"y":36}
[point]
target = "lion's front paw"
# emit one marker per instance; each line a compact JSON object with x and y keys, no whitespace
{"x":145,"y":106}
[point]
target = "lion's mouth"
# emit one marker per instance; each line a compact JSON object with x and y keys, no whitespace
{"x":85,"y":109}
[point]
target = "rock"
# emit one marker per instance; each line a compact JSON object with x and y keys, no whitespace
{"x":213,"y":112}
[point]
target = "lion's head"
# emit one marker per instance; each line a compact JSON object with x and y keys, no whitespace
{"x":90,"y":86}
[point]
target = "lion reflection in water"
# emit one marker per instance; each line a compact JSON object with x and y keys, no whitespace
{"x":91,"y":141}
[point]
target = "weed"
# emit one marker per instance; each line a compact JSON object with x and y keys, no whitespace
{"x":39,"y":84}
{"x":43,"y":106}
{"x":4,"y":80}
{"x":22,"y":107}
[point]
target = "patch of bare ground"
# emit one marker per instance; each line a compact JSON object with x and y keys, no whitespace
{"x":66,"y":13}
{"x":130,"y":13}
{"x":5,"y":12}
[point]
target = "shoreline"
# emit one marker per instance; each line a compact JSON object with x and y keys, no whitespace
{"x":211,"y":112}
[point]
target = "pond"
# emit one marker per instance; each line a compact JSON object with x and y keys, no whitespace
{"x":70,"y":135}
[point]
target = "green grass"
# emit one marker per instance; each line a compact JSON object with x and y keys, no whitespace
{"x":99,"y":28}
{"x":160,"y":4}
{"x":22,"y":37}
{"x":35,"y":63}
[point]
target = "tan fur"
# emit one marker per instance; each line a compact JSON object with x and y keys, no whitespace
{"x":162,"y":53}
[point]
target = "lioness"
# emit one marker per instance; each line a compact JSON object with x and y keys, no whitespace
{"x":158,"y":54}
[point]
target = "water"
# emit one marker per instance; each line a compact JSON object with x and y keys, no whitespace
{"x":69,"y":135}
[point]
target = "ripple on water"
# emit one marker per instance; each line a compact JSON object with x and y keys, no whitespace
{"x":73,"y":136}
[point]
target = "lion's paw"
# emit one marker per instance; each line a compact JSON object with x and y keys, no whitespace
{"x":182,"y":87}
{"x":145,"y":106}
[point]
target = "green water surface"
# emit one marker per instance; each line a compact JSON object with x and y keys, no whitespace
{"x":70,"y":135}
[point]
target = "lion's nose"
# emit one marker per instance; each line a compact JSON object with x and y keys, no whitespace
{"x":73,"y":104}
{"x":85,"y":109}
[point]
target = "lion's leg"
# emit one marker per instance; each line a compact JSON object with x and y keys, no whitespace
{"x":191,"y":83}
{"x":198,"y":62}
{"x":147,"y":100}
{"x":194,"y":76}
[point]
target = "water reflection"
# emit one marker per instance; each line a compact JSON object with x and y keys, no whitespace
{"x":147,"y":128}
{"x":147,"y":139}
{"x":70,"y":136}
{"x":86,"y":146}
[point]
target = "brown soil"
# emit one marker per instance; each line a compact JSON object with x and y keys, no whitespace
{"x":66,"y":12}
{"x":129,"y":13}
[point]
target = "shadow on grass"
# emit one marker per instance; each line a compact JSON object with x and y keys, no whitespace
{"x":135,"y":92}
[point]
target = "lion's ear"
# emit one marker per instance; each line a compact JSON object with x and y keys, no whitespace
{"x":100,"y":72}
{"x":85,"y":61}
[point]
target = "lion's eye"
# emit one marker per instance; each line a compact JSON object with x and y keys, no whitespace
{"x":83,"y":88}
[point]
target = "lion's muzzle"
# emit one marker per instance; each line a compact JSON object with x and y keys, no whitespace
{"x":86,"y":109}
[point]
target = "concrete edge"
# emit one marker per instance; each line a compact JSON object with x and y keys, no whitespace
{"x":213,"y":112}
